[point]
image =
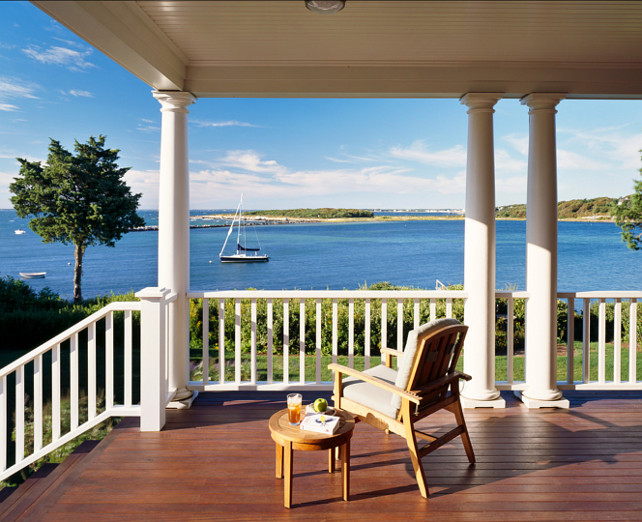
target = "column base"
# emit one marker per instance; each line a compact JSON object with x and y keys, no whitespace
{"x":479,"y":403}
{"x":539,"y":403}
{"x":183,"y":404}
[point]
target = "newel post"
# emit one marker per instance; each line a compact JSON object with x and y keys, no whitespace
{"x":153,"y":354}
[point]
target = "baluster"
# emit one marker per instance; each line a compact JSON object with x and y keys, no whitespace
{"x":55,"y":393}
{"x":633,"y":334}
{"x":129,"y":358}
{"x":37,"y":403}
{"x":318,"y":342}
{"x":20,"y":414}
{"x":617,"y":342}
{"x":586,"y":341}
{"x":270,"y":341}
{"x":205,"y":359}
{"x":286,"y":340}
{"x":449,"y":308}
{"x":351,"y":332}
{"x":570,"y":341}
{"x":221,"y":341}
{"x":433,"y":309}
{"x":384,"y":324}
{"x":302,"y":341}
{"x":73,"y":369}
{"x":91,"y":369}
{"x":109,"y":361}
{"x":399,"y":324}
{"x":416,"y":314}
{"x":253,"y":343}
{"x":510,"y":341}
{"x":335,"y":335}
{"x":366,"y":348}
{"x":237,"y":341}
{"x":601,"y":361}
{"x":3,"y":422}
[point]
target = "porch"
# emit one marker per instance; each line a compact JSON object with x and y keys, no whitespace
{"x":216,"y":461}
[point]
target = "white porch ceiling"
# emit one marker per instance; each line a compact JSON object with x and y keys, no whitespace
{"x":380,"y":48}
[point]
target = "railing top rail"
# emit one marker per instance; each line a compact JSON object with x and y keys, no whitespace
{"x":602,"y":294}
{"x":330,"y":294}
{"x":504,"y":294}
{"x":61,"y":337}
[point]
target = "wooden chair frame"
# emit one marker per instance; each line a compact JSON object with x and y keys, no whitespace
{"x":433,"y":385}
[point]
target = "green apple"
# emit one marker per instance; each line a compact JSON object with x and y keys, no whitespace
{"x":320,"y":405}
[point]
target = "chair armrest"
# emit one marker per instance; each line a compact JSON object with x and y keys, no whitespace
{"x":442,"y":381}
{"x":391,"y":351}
{"x":412,"y":397}
{"x":388,"y":354}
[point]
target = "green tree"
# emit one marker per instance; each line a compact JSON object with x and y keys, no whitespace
{"x":628,"y":216}
{"x":76,"y":199}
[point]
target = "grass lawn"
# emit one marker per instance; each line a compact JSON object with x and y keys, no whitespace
{"x":359,"y":364}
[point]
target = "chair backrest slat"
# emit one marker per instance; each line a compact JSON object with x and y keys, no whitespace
{"x":437,"y":355}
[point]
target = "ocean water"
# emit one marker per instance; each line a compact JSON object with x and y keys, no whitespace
{"x":325,"y":255}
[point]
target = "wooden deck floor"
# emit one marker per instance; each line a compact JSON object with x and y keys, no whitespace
{"x":216,"y":461}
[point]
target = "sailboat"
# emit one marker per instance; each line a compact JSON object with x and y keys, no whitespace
{"x":244,"y":254}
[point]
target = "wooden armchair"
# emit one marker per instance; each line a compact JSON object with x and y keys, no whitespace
{"x":425,"y":382}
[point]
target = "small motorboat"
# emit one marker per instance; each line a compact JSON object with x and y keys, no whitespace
{"x":33,"y":275}
{"x":19,"y":232}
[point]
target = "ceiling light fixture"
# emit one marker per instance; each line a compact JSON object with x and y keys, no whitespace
{"x":325,"y":6}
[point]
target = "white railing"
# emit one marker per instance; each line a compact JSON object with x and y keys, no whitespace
{"x":255,"y":353}
{"x":607,"y":359}
{"x":70,"y":362}
{"x":598,"y":358}
{"x":330,"y":321}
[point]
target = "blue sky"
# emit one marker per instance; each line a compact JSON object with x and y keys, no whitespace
{"x":289,"y":153}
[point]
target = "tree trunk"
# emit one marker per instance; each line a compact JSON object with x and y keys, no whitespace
{"x":78,"y":255}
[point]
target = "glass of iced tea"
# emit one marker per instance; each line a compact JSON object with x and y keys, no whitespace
{"x":294,"y":408}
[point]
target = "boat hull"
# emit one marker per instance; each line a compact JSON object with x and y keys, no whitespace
{"x":242,"y":258}
{"x":33,"y":275}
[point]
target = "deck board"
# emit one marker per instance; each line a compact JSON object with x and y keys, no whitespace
{"x":216,"y":462}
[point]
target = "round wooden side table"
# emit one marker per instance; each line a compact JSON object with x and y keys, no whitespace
{"x":289,"y":438}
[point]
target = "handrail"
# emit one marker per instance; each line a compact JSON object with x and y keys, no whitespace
{"x":330,"y":294}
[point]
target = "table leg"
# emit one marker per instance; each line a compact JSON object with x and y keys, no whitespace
{"x":279,"y":461}
{"x":287,"y":487}
{"x":331,"y":460}
{"x":345,"y":470}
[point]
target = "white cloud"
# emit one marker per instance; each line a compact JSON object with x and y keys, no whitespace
{"x":453,"y":157}
{"x":13,"y":88}
{"x":231,"y":123}
{"x":145,"y":182}
{"x":7,"y":107}
{"x":505,"y":163}
{"x":519,"y":143}
{"x":81,"y":94}
{"x":63,"y":56}
{"x":251,"y":161}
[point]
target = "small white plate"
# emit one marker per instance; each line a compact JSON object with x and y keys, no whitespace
{"x":310,"y":409}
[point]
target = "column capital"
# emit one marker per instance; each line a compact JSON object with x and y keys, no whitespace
{"x":174,"y":101}
{"x":481,"y":100}
{"x":542,"y":100}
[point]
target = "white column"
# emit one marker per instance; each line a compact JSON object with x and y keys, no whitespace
{"x":479,"y":254}
{"x":541,"y":255}
{"x":173,"y":231}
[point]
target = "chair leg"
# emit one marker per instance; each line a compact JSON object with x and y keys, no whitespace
{"x":413,"y":447}
{"x":465,"y":438}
